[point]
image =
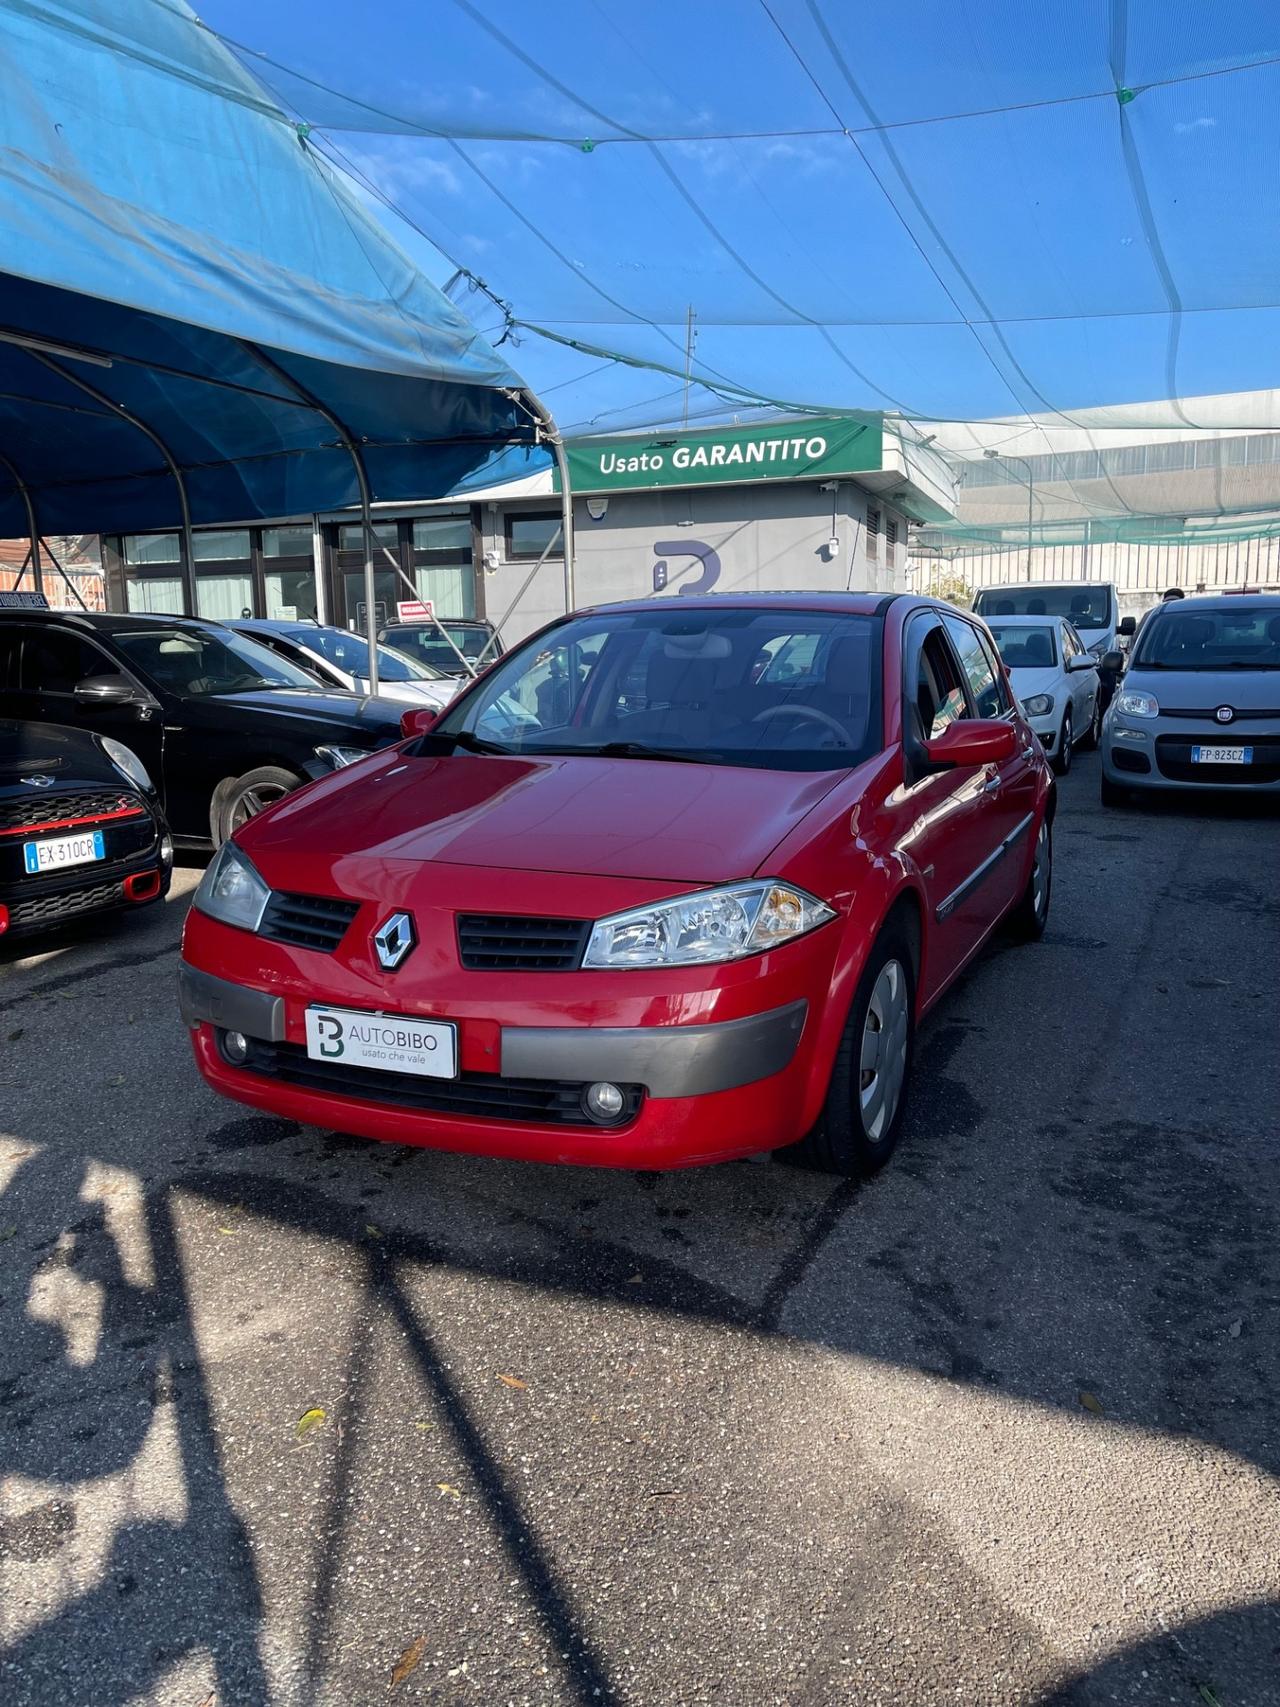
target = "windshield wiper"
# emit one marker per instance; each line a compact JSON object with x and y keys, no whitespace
{"x":476,"y":743}
{"x":638,"y":750}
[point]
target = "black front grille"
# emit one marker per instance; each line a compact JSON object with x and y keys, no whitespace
{"x":483,"y":1096}
{"x":1173,"y":758}
{"x":23,"y":811}
{"x":66,"y":904}
{"x":1205,"y":714}
{"x":307,"y":921}
{"x":499,"y":942}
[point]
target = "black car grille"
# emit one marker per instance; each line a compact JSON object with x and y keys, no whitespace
{"x":307,"y":921}
{"x":483,"y":1096}
{"x":25,"y":811}
{"x":496,"y":942}
{"x":49,"y":909}
{"x":1173,"y":758}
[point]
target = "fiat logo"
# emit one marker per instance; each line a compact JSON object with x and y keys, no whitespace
{"x":1224,"y":714}
{"x":393,"y":941}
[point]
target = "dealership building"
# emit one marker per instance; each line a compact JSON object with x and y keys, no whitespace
{"x":815,"y":502}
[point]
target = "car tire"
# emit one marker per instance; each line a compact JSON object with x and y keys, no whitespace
{"x":243,"y":797}
{"x":1113,"y":793}
{"x":1089,"y":741}
{"x":1028,"y":919}
{"x":1061,"y":760}
{"x":855,"y":1134}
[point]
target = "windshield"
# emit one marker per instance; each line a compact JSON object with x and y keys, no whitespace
{"x":351,"y":653}
{"x":1026,"y":646}
{"x":772,"y":689}
{"x":1181,"y":639}
{"x":196,"y":662}
{"x":1084,"y":606}
{"x":425,"y":643}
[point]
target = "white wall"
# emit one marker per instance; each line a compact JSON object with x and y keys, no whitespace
{"x":769,"y":537}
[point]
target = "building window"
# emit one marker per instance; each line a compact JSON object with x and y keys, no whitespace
{"x":442,"y":564}
{"x":528,"y":535}
{"x":220,"y":545}
{"x":385,"y":537}
{"x":287,"y":542}
{"x":890,"y":542}
{"x":143,"y":549}
{"x":154,"y":594}
{"x":873,"y":535}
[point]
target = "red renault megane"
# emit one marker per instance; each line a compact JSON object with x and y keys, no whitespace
{"x":672,"y":882}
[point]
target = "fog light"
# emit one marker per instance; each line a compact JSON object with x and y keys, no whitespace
{"x":604,"y":1102}
{"x":166,"y":849}
{"x":235,"y":1046}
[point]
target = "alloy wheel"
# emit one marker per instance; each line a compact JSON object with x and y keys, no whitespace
{"x":883,"y":1061}
{"x":1041,"y":871}
{"x":250,"y":801}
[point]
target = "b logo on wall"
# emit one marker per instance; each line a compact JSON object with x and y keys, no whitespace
{"x":664,"y":548}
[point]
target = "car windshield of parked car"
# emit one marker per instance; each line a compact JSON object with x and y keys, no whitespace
{"x":429,"y":647}
{"x":350,"y":653}
{"x":1181,"y":639}
{"x":1024,"y":647}
{"x":773,"y":689}
{"x":197,"y":662}
{"x":1086,"y":607}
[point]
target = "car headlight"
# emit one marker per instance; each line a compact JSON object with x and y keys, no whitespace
{"x":712,"y":925}
{"x":127,"y":763}
{"x":231,"y":890}
{"x":339,"y":756}
{"x":1133,"y":704}
{"x":1039,"y":705}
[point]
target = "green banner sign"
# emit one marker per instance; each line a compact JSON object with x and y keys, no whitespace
{"x":813,"y":449}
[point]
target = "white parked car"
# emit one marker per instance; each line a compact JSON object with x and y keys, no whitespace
{"x":341,"y":659}
{"x":1055,"y":677}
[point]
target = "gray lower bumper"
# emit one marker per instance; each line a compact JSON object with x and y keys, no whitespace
{"x":668,"y":1060}
{"x":201,"y":996}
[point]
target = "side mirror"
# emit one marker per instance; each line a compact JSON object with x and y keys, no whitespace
{"x":1128,"y":626}
{"x":971,"y":741}
{"x":1111,"y":663}
{"x":1083,"y":661}
{"x":107,"y":691}
{"x":419,"y":721}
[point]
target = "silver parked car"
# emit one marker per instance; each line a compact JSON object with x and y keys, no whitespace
{"x":1055,"y":677}
{"x":1199,"y":703}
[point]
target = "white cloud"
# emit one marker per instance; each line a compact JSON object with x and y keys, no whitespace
{"x":1196,"y":124}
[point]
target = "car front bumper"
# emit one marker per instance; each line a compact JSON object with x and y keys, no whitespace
{"x":1157,"y":753}
{"x":698,"y":1092}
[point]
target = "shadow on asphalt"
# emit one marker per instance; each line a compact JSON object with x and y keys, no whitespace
{"x":1169,"y":1185}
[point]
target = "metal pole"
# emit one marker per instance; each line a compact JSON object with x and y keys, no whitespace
{"x":366,"y":507}
{"x":32,"y":529}
{"x":188,"y":557}
{"x":551,"y":433}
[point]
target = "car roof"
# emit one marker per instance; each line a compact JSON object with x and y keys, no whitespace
{"x":847,"y":604}
{"x":1207,"y":602}
{"x":110,"y":622}
{"x":1030,"y":586}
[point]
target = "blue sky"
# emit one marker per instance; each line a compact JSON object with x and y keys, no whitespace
{"x":949,"y":212}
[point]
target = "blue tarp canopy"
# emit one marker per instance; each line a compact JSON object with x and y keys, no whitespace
{"x":174,"y":246}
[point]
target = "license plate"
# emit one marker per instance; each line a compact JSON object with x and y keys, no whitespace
{"x":1222,"y":755}
{"x":390,"y":1043}
{"x":61,"y":851}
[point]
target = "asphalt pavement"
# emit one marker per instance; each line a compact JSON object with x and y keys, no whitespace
{"x":292,"y":1418}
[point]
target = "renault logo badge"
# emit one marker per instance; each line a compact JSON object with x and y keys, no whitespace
{"x":1224,"y":714}
{"x":393,"y":941}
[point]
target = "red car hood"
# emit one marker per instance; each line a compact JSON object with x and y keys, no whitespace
{"x":580,"y":815}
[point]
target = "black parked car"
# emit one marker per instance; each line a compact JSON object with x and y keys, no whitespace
{"x":223,"y":725}
{"x":80,"y":827}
